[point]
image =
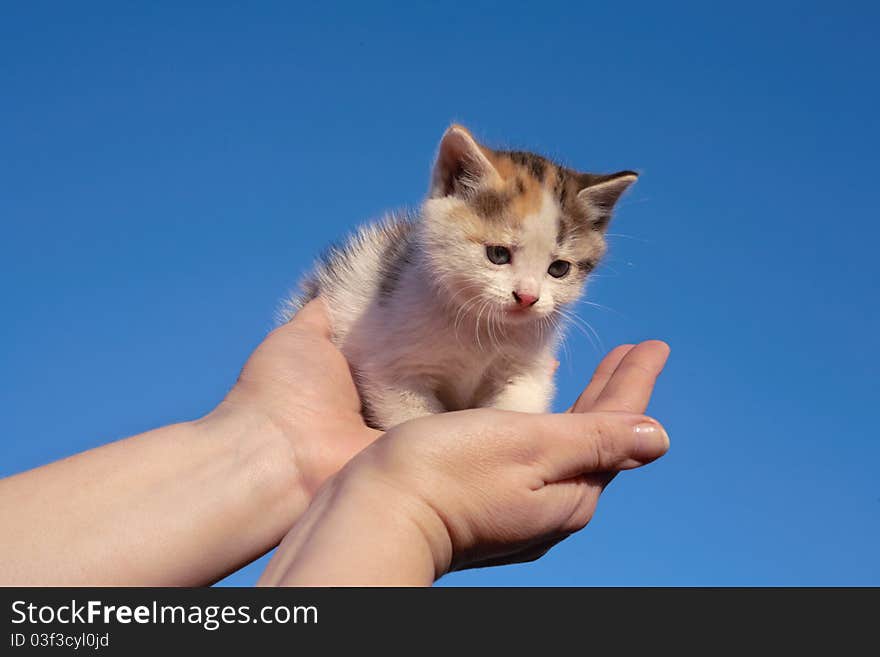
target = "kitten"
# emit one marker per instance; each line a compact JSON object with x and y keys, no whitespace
{"x":459,"y":306}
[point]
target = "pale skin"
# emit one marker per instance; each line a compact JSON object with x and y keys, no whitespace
{"x":186,"y":504}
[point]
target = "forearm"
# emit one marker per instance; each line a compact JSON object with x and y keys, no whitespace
{"x":356,"y":533}
{"x":181,"y":505}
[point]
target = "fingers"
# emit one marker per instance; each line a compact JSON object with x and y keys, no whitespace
{"x":313,"y":317}
{"x":600,"y":378}
{"x":630,"y":386}
{"x":574,"y":444}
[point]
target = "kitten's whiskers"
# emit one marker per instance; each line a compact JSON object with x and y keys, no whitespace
{"x":584,"y":327}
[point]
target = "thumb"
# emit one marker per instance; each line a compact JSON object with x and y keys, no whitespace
{"x":574,"y":444}
{"x":313,"y":318}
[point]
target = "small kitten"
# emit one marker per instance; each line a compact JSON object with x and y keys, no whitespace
{"x":458,"y":307}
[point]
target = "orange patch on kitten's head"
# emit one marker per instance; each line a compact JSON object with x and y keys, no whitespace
{"x":502,"y":189}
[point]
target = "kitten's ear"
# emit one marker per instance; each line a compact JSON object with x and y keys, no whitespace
{"x":461,"y":164}
{"x":600,"y":192}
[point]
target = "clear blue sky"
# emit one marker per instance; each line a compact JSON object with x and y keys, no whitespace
{"x":167,"y":170}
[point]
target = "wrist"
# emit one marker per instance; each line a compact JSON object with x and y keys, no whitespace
{"x":396,"y":508}
{"x":359,"y":531}
{"x":263,"y":469}
{"x":395,"y":495}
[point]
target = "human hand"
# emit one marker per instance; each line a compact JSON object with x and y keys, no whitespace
{"x":622,"y":382}
{"x":476,"y":487}
{"x":298,"y":385}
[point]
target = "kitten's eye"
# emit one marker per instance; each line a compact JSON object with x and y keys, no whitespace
{"x":558,"y":268}
{"x":499,"y":255}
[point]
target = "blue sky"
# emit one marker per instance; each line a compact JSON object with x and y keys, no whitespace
{"x":168,"y":170}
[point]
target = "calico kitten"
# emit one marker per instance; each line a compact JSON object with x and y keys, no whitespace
{"x":458,"y":306}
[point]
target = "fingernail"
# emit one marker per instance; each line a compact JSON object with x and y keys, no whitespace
{"x":651,"y":440}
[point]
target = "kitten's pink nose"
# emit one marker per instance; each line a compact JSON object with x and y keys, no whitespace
{"x":525,"y":300}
